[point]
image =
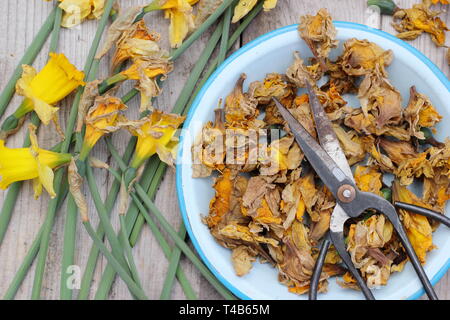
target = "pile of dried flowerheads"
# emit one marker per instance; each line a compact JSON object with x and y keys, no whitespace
{"x":270,"y":204}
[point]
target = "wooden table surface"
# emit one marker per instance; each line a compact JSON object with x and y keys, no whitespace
{"x":21,"y":19}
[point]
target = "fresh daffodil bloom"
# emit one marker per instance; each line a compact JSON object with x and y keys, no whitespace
{"x":245,"y":6}
{"x":181,"y":18}
{"x":101,"y":119}
{"x":49,"y":86}
{"x":76,"y":11}
{"x":21,"y":164}
{"x":155,"y":134}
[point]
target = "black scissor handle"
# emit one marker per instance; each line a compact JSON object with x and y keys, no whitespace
{"x":338,"y":240}
{"x":315,"y":278}
{"x":424,"y":212}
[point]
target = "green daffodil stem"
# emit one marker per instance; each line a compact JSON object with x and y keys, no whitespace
{"x":51,"y":211}
{"x":32,"y":252}
{"x":128,"y":251}
{"x":28,"y":58}
{"x":13,"y":190}
{"x":225,"y":35}
{"x":94,"y":252}
{"x":387,"y":7}
{"x":168,"y":252}
{"x":168,"y":228}
{"x":130,"y":218}
{"x":181,"y":102}
{"x":181,"y":244}
{"x":117,"y":249}
{"x":132,"y":286}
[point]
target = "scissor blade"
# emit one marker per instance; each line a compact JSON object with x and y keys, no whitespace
{"x":328,"y":170}
{"x":327,"y":137}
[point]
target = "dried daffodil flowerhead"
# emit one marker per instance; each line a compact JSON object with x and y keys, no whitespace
{"x":49,"y":86}
{"x":145,"y":70}
{"x":245,"y":6}
{"x":363,"y":57}
{"x":21,"y":164}
{"x":181,"y":18}
{"x":319,"y":33}
{"x":101,"y":119}
{"x":410,"y":23}
{"x":155,"y":134}
{"x":76,"y":11}
{"x":136,"y":42}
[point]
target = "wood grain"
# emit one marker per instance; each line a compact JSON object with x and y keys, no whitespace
{"x":22,"y":19}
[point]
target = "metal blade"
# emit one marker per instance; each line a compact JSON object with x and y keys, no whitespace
{"x":328,"y":170}
{"x":327,"y":137}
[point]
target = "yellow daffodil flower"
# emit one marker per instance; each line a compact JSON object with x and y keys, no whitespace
{"x":245,"y":6}
{"x":76,"y":11}
{"x":155,"y":134}
{"x":181,"y":18}
{"x":45,"y":88}
{"x":135,"y":43}
{"x":21,"y":164}
{"x":101,"y":119}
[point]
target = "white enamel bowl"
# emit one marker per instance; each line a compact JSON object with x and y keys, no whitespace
{"x":273,"y":52}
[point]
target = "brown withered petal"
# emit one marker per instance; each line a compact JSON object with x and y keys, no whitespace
{"x":87,"y":100}
{"x":409,"y":35}
{"x":75,"y":186}
{"x":242,"y":258}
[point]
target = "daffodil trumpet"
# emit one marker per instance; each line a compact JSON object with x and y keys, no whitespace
{"x":155,"y":135}
{"x":43,"y":90}
{"x":33,"y":163}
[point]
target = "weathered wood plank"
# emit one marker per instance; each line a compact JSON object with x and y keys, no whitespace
{"x":23,"y":19}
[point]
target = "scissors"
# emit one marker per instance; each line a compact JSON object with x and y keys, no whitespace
{"x":330,"y":164}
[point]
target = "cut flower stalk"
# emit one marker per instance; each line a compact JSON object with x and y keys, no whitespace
{"x":51,"y":210}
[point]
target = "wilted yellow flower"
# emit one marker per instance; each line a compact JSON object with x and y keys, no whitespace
{"x":145,"y":71}
{"x":52,"y":84}
{"x":101,"y":119}
{"x":75,"y":11}
{"x":30,"y":163}
{"x":181,"y":18}
{"x":155,"y":134}
{"x":412,"y":22}
{"x":136,"y":42}
{"x":245,"y":6}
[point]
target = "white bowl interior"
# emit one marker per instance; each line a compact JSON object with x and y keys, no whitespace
{"x":273,"y":52}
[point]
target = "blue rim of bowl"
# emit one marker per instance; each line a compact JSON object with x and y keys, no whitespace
{"x":348,"y":25}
